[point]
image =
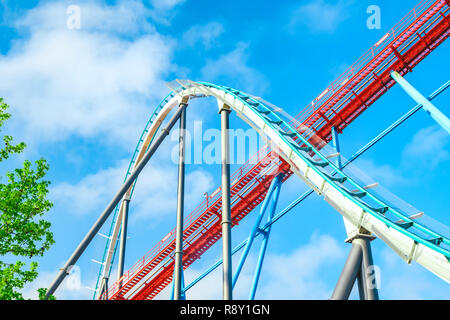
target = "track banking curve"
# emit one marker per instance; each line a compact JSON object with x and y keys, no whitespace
{"x":420,"y":32}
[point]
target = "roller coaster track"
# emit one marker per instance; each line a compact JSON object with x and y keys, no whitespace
{"x":419,"y":33}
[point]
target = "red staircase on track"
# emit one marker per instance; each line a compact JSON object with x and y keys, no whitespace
{"x":348,"y":99}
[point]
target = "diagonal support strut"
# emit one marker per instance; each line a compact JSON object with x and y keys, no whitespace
{"x":110,"y":207}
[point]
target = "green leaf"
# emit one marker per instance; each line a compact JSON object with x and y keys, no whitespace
{"x":23,"y":231}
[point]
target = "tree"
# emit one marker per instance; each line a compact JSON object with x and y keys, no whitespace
{"x":23,"y":200}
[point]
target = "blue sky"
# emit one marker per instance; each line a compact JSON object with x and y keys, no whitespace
{"x":80,"y":98}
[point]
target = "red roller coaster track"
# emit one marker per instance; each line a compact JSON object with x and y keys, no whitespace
{"x":408,"y":43}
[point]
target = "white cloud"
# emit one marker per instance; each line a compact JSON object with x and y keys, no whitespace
{"x":297,"y":275}
{"x":164,"y":10}
{"x":428,"y":147}
{"x":91,"y":82}
{"x":205,"y":34}
{"x":126,"y":17}
{"x":71,"y":288}
{"x":410,"y":282}
{"x":91,"y":193}
{"x":368,"y":171}
{"x":166,"y":4}
{"x":154,"y":195}
{"x":320,"y":16}
{"x":294,"y":275}
{"x":232,"y":69}
{"x":157,"y":190}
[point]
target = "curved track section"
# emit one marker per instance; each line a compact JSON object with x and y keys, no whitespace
{"x":410,"y":239}
{"x":144,"y":142}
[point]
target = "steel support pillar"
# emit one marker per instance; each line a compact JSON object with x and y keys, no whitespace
{"x":123,"y":239}
{"x":349,"y":274}
{"x":104,"y":289}
{"x":366,"y":291}
{"x":359,"y":265}
{"x":226,"y":209}
{"x":367,"y":270}
{"x":274,"y":188}
{"x":266,"y":233}
{"x":183,"y":289}
{"x":429,"y":107}
{"x":348,"y":277}
{"x":361,"y":287}
{"x":110,"y":207}
{"x":336,"y":146}
{"x":178,"y":269}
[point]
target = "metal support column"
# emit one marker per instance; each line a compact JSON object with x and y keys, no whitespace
{"x":266,"y":234}
{"x":358,"y":266}
{"x":105,"y":297}
{"x":178,"y":269}
{"x":104,"y":289}
{"x":361,"y":285}
{"x":336,"y":146}
{"x":110,"y":207}
{"x":123,"y":239}
{"x":273,"y":186}
{"x":349,"y":274}
{"x":367,"y":269}
{"x":366,"y":290}
{"x":183,"y":289}
{"x":226,"y":209}
{"x":429,"y":107}
{"x":348,"y":280}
